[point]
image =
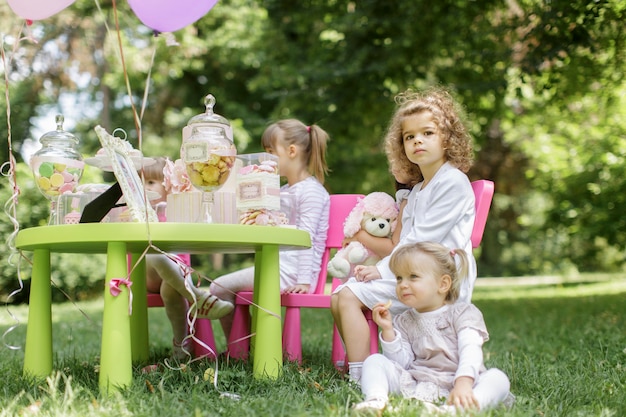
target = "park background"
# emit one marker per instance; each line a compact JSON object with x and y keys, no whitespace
{"x":543,"y":85}
{"x":542,"y":82}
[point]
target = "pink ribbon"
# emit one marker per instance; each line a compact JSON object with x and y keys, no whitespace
{"x":115,"y":290}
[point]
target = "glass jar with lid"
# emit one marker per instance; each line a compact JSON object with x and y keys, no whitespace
{"x":208,"y":153}
{"x":58,"y":166}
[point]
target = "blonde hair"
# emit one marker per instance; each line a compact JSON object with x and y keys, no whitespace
{"x":155,"y":171}
{"x":310,"y":139}
{"x":450,"y":119}
{"x":454,"y":263}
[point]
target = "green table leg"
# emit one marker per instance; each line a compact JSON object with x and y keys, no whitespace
{"x":139,"y":320}
{"x":253,"y":310}
{"x":268,"y":352}
{"x":38,"y":349}
{"x":115,"y":355}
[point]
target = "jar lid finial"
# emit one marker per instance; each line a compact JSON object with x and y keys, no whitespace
{"x":209,"y":116}
{"x":209,"y":102}
{"x":59,"y":121}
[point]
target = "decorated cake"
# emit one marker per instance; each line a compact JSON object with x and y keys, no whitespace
{"x":258,"y":190}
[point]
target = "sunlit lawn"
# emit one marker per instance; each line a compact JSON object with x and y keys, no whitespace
{"x":562,"y":345}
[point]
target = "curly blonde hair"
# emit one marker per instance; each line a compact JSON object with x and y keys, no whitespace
{"x":450,"y":119}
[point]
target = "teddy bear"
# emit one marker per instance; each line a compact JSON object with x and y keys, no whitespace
{"x":377,"y":214}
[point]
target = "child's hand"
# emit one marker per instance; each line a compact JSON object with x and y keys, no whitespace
{"x":298,"y":289}
{"x":462,"y":395}
{"x":366,"y":273}
{"x":382,"y":316}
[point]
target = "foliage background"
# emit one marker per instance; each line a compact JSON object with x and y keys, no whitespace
{"x":542,"y":82}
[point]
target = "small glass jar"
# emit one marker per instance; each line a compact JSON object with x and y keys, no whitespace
{"x":58,"y":166}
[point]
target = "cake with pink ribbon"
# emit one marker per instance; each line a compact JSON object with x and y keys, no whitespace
{"x":258,"y":190}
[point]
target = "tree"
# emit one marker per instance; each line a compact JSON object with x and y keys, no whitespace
{"x":539,"y":81}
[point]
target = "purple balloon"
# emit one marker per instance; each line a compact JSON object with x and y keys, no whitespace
{"x":170,"y":15}
{"x":38,"y":9}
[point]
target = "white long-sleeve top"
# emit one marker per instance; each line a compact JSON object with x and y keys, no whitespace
{"x":312,"y":206}
{"x":443,"y":212}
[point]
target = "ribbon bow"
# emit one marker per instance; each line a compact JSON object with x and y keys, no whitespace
{"x":115,"y":290}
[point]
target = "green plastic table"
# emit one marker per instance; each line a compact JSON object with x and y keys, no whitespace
{"x":124,"y":335}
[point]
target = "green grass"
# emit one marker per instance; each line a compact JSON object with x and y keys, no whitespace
{"x":563,"y":346}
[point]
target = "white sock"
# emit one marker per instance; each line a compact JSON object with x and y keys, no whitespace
{"x":354,"y":370}
{"x":210,"y":307}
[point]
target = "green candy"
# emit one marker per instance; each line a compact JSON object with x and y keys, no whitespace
{"x":46,"y":169}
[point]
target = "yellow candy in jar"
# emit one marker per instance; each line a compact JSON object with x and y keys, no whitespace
{"x":223,"y":177}
{"x":210,"y":174}
{"x":213,"y":159}
{"x":197,"y":166}
{"x":60,"y":167}
{"x":43,"y":183}
{"x":195,"y":177}
{"x":56,"y":180}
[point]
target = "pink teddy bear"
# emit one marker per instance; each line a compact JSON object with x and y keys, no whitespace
{"x":377,"y":214}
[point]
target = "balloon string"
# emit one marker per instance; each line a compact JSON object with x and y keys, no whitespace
{"x":8,"y":170}
{"x":147,"y":89}
{"x":186,"y":270}
{"x":126,"y":79}
{"x":137,"y":118}
{"x":7,"y":96}
{"x":106,"y":25}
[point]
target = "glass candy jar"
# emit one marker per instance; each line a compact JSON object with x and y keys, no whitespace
{"x":208,"y":154}
{"x":57,"y":166}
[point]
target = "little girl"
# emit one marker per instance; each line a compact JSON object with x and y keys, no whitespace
{"x":172,"y":280}
{"x":434,"y":349}
{"x":429,"y":149}
{"x":301,"y":152}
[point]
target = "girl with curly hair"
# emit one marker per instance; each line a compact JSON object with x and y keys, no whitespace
{"x":429,"y":148}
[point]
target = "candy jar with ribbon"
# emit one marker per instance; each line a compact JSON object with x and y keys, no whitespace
{"x":209,"y":154}
{"x":57,"y":166}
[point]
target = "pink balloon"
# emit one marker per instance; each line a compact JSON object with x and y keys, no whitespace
{"x":170,"y":15}
{"x":38,"y":9}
